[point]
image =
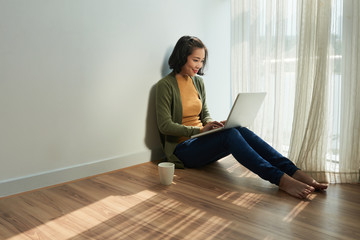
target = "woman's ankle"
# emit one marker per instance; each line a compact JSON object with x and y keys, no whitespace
{"x":305,"y":178}
{"x":294,"y":187}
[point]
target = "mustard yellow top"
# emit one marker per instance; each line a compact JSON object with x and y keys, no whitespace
{"x":169,"y":114}
{"x":191,"y":103}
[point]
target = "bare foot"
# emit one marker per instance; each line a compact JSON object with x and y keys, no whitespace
{"x":294,"y":187}
{"x":303,"y":177}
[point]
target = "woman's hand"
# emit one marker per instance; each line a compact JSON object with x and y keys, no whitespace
{"x":212,"y":125}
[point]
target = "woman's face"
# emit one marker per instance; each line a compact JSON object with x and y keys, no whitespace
{"x":194,"y":62}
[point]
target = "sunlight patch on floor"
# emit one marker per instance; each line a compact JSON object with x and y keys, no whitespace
{"x":183,"y":219}
{"x":241,"y":171}
{"x":248,"y":174}
{"x":232,"y":168}
{"x":298,"y":209}
{"x":139,"y":216}
{"x":226,"y":195}
{"x":83,"y":219}
{"x":209,"y":229}
{"x":151,"y":218}
{"x":246,"y":200}
{"x":268,"y":238}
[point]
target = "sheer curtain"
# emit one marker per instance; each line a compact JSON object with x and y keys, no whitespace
{"x":264,"y":59}
{"x":349,"y":156}
{"x":299,"y":53}
{"x":312,"y":119}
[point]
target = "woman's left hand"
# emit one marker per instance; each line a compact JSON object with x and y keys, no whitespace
{"x":211,"y":125}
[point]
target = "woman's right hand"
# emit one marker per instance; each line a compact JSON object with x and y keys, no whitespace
{"x":211,"y":125}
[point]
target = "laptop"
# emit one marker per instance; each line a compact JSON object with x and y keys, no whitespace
{"x":243,"y":112}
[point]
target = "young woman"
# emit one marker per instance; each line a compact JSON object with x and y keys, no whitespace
{"x":182,"y":112}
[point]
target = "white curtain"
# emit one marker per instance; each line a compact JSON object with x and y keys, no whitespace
{"x":264,"y":59}
{"x":308,"y":146}
{"x":299,"y":53}
{"x":349,"y":156}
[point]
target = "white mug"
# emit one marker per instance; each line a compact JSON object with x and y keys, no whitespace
{"x":166,"y":172}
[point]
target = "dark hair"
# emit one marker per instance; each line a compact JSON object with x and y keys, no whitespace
{"x":183,"y":48}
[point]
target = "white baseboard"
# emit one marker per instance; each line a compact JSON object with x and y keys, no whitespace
{"x":18,"y":185}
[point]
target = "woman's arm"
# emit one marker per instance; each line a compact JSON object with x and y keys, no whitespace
{"x":166,"y":115}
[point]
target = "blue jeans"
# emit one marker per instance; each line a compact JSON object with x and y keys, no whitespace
{"x":247,"y":148}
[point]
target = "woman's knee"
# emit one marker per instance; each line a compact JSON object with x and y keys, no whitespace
{"x":247,"y":133}
{"x":245,"y":130}
{"x":232,"y":134}
{"x":231,"y":131}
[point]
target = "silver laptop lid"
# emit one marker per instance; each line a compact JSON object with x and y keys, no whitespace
{"x":245,"y":109}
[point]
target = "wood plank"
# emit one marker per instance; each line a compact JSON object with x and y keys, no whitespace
{"x":220,"y":201}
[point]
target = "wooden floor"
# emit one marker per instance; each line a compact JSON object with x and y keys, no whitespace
{"x":220,"y":201}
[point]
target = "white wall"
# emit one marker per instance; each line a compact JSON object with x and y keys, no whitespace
{"x":77,"y":77}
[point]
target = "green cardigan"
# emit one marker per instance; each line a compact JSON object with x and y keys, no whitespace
{"x":169,"y":114}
